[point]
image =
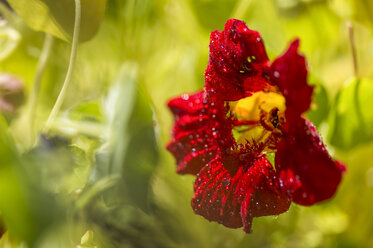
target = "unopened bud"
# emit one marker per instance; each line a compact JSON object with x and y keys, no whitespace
{"x":11,"y":94}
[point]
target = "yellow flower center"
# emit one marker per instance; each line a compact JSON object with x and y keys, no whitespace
{"x":258,"y":116}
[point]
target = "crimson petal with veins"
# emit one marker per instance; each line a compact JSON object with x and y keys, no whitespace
{"x":304,"y":166}
{"x":289,"y":73}
{"x":200,"y":129}
{"x":233,"y":200}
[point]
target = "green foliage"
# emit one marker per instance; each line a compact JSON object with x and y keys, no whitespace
{"x":320,"y":105}
{"x":352,"y":119}
{"x":88,"y":111}
{"x":87,"y":241}
{"x":132,"y":152}
{"x":46,"y":16}
{"x":28,"y":210}
{"x":219,"y":11}
{"x":358,"y":10}
{"x":9,"y":40}
{"x":141,"y":155}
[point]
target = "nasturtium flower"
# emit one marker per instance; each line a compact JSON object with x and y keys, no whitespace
{"x":250,"y":108}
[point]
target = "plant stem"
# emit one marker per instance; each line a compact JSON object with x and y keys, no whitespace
{"x":40,"y":70}
{"x":241,"y":9}
{"x":69,"y":73}
{"x":353,"y":48}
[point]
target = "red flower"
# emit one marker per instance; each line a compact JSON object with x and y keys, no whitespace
{"x":250,"y":108}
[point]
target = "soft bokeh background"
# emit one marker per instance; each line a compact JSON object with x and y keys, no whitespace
{"x":101,"y":176}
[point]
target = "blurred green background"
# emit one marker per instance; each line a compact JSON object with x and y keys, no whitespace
{"x":101,"y":177}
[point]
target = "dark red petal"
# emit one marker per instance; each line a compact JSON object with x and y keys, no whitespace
{"x":200,"y":129}
{"x":305,"y":168}
{"x":217,"y":196}
{"x":289,"y":73}
{"x":187,"y":104}
{"x":233,"y":200}
{"x":236,"y":62}
{"x":268,"y":198}
{"x":192,"y":152}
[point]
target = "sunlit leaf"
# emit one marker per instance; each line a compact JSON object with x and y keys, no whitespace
{"x":9,"y":39}
{"x":87,"y":241}
{"x":47,"y":16}
{"x":133,"y":138}
{"x":142,"y":154}
{"x":320,"y":105}
{"x":7,"y":242}
{"x":86,"y":111}
{"x":351,"y":120}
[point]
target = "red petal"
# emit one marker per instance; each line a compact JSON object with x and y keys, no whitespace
{"x":201,"y":127}
{"x":289,"y":73}
{"x":268,"y":198}
{"x":187,"y":104}
{"x":236,"y":62}
{"x":304,"y":166}
{"x":233,"y":200}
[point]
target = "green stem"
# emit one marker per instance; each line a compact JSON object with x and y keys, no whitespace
{"x":69,"y":73}
{"x":353,"y":48}
{"x":40,"y":70}
{"x":241,"y":9}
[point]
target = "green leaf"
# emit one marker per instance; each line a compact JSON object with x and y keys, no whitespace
{"x":26,"y":208}
{"x":6,"y":241}
{"x":128,"y":226}
{"x":351,"y":119}
{"x":132,"y":151}
{"x":57,"y":17}
{"x":320,"y":105}
{"x":87,"y":241}
{"x":59,"y":166}
{"x":86,"y":111}
{"x":9,"y":40}
{"x":141,"y":156}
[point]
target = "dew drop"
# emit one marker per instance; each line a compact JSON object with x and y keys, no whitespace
{"x":276,"y":74}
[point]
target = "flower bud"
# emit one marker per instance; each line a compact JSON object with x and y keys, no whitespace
{"x":11,"y":94}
